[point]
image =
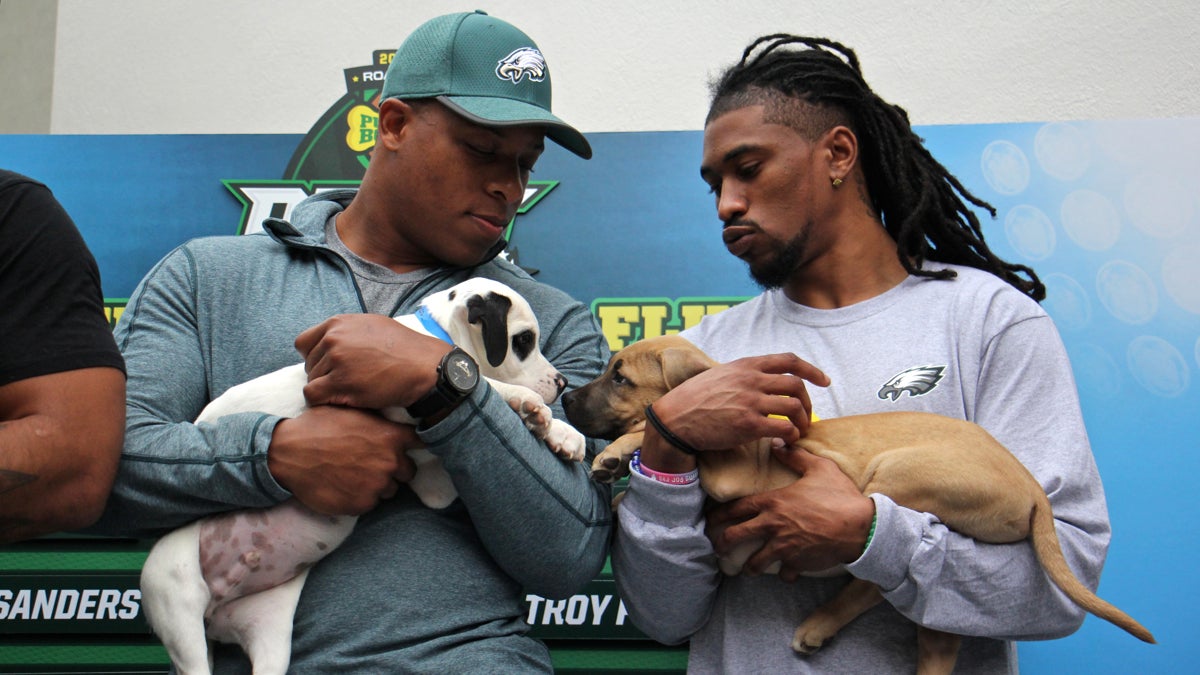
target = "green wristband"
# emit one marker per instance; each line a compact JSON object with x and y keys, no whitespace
{"x":871,"y":532}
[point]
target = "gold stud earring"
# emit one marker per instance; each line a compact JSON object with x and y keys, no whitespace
{"x":837,"y":182}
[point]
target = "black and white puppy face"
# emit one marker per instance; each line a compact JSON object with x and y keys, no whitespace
{"x":496,"y":326}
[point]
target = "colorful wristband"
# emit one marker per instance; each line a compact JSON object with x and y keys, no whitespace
{"x":668,"y":478}
{"x":675,"y":441}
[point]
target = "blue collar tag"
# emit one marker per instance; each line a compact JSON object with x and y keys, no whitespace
{"x":431,"y":325}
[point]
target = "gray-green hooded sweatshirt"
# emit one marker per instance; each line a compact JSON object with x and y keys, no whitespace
{"x":412,"y":589}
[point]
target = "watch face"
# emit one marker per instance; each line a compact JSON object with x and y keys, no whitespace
{"x":461,"y":372}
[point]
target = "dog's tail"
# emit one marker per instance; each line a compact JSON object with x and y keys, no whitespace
{"x":1049,"y":554}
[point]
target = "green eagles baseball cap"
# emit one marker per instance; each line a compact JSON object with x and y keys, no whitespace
{"x":482,"y":68}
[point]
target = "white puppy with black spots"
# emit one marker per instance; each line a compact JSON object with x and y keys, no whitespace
{"x":237,"y":577}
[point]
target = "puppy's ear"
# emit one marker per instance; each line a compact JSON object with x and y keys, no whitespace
{"x":491,"y":312}
{"x":681,"y":364}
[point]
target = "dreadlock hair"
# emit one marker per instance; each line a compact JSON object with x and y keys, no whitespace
{"x":920,"y":203}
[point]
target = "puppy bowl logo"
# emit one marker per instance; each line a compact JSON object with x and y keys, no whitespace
{"x":337,"y":149}
{"x":525,"y":61}
{"x":916,"y":381}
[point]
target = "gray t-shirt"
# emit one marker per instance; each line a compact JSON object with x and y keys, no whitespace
{"x":380,"y":287}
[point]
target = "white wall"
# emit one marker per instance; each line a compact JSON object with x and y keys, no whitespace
{"x":236,"y":66}
{"x":26,"y":65}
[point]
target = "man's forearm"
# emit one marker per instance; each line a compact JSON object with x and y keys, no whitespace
{"x":47,"y":484}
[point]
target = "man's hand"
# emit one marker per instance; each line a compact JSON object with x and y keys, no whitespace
{"x":816,"y":523}
{"x":368,"y":361}
{"x":341,"y":461}
{"x":729,"y":404}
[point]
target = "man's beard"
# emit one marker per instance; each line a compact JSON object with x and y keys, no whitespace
{"x":774,"y":272}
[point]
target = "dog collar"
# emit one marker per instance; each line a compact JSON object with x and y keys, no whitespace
{"x":432,"y":325}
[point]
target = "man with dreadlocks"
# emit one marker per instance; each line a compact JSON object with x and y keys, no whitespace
{"x":875,"y":269}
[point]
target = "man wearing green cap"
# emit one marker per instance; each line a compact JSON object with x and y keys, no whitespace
{"x":463,"y":115}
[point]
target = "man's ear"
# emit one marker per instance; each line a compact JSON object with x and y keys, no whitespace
{"x":394,"y":114}
{"x":841,"y":147}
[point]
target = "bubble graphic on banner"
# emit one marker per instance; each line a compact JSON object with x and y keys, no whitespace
{"x":1090,"y":220}
{"x":1005,"y":167}
{"x":1127,"y":292}
{"x":1158,"y":366}
{"x":1181,"y":276}
{"x":1159,"y":206}
{"x":1067,"y":302}
{"x":1062,"y":151}
{"x":1030,"y":231}
{"x":1096,"y":373}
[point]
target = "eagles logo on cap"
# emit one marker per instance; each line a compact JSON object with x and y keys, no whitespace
{"x":522,"y":62}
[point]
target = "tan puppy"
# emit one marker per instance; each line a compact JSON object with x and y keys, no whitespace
{"x":950,"y":468}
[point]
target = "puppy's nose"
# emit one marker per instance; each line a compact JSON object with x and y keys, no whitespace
{"x":560,"y":381}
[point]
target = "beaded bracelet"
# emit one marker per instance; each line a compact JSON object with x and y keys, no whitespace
{"x":675,"y":441}
{"x":669,"y":478}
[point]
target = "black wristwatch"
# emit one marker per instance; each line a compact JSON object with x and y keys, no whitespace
{"x":457,"y":377}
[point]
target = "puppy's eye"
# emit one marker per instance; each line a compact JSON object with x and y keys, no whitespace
{"x":618,"y":378}
{"x":523,"y":344}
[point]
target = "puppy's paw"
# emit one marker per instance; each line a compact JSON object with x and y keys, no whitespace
{"x":810,"y":637}
{"x":566,"y":441}
{"x":534,"y":412}
{"x":431,"y":482}
{"x":607,"y":468}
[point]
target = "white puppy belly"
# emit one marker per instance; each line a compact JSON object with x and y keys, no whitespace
{"x":244,"y":552}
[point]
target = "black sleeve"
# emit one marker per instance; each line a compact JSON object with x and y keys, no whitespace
{"x":51,"y":304}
